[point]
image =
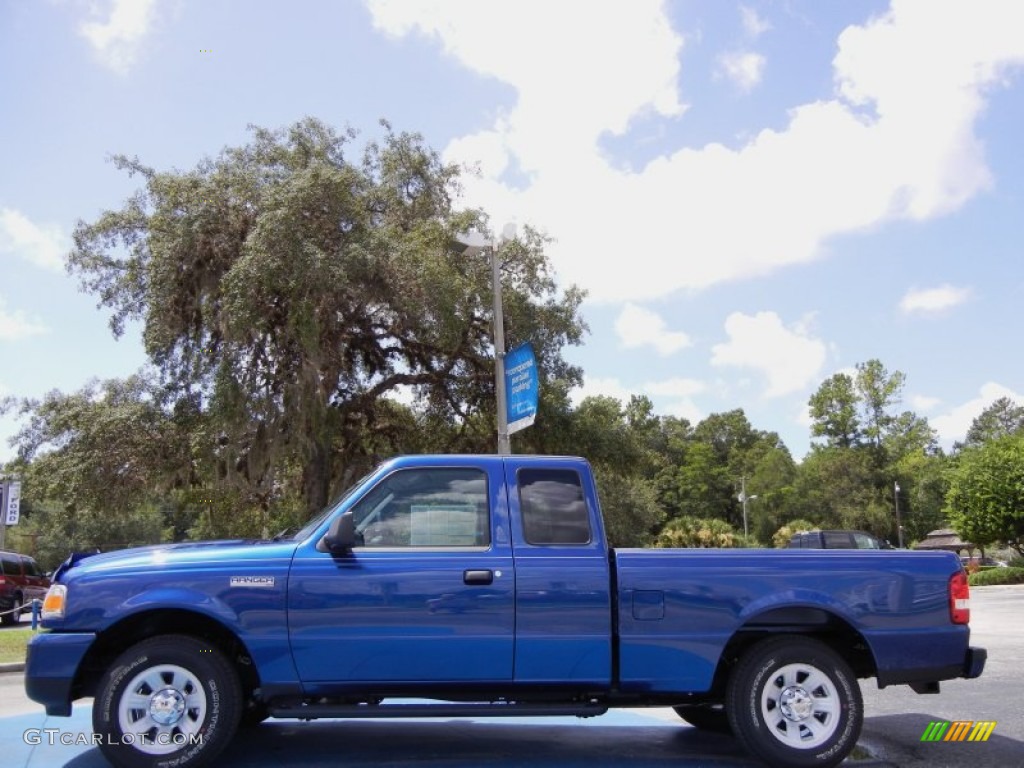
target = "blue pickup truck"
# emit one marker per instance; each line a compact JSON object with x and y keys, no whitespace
{"x":443,"y":586}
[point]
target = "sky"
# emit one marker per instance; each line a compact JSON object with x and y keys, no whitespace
{"x":755,"y":195}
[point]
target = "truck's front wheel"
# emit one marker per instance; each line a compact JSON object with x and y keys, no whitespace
{"x":795,"y":703}
{"x":170,"y":700}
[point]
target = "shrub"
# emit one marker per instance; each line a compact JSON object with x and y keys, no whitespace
{"x":992,"y":576}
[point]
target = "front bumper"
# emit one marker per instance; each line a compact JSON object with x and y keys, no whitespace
{"x":51,"y":664}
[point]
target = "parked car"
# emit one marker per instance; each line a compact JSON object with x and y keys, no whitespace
{"x":21,"y":582}
{"x":837,"y":540}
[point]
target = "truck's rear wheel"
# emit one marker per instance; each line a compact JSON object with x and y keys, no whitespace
{"x":795,"y":703}
{"x":706,"y":717}
{"x":170,"y":700}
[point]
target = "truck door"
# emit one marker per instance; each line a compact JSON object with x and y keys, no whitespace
{"x":427,"y":595}
{"x":563,"y":595}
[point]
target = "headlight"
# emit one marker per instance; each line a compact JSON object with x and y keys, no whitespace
{"x":53,"y":603}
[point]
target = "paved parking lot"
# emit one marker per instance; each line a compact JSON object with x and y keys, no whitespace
{"x":896,"y":718}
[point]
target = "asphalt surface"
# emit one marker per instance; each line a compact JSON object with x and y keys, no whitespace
{"x":896,"y":719}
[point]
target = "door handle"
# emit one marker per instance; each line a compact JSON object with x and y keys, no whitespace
{"x":478,"y":577}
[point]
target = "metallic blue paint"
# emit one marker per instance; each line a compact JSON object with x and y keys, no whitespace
{"x":409,"y":618}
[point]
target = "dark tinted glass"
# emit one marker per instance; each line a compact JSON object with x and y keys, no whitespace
{"x":554,"y":510}
{"x":838,"y":540}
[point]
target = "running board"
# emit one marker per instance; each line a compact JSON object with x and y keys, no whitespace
{"x":313,"y":711}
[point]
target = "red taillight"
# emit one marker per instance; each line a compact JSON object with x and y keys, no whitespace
{"x":959,"y":598}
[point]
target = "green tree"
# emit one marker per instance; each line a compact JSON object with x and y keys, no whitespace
{"x":615,"y":440}
{"x":103,"y":448}
{"x":781,"y":537}
{"x":923,"y":479}
{"x":701,"y":486}
{"x":878,"y":390}
{"x":697,"y":532}
{"x":833,"y":408}
{"x":286,"y":290}
{"x":985,"y":503}
{"x":843,"y":488}
{"x":909,"y":433}
{"x":772,"y":477}
{"x":1004,"y":417}
{"x":630,"y":507}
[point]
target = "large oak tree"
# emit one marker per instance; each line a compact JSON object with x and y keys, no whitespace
{"x":289,"y":287}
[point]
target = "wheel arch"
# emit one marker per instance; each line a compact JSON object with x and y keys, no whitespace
{"x":814,"y":622}
{"x":141,"y":626}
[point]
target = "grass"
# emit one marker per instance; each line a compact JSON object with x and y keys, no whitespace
{"x":996,"y":576}
{"x":13,"y":643}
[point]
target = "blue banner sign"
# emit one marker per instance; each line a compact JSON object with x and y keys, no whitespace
{"x":521,"y":387}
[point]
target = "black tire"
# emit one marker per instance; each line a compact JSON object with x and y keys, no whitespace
{"x":705,"y":717}
{"x":795,"y":703}
{"x":12,"y":618}
{"x":187,"y":703}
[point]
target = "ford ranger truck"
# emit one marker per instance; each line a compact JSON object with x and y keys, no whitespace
{"x":465,"y":586}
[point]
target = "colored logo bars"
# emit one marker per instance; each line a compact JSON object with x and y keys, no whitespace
{"x":958,"y":730}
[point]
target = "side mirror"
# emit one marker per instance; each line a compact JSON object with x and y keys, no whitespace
{"x":340,"y":537}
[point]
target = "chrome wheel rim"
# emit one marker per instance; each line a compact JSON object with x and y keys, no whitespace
{"x":800,"y":706}
{"x":162,"y":709}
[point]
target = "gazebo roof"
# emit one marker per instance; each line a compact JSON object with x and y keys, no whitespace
{"x":943,"y":538}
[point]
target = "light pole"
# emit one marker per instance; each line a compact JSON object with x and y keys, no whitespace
{"x":744,"y":499}
{"x":474,"y":242}
{"x":896,"y":504}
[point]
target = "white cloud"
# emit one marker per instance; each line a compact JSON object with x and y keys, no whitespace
{"x":953,"y":424}
{"x":753,"y":24}
{"x":677,"y":397}
{"x":896,"y":141}
{"x":744,"y":68}
{"x":639,"y":327}
{"x":803,"y":417}
{"x":43,"y":246}
{"x":927,"y":300}
{"x":118,"y":40}
{"x":16,"y":325}
{"x":923,"y":402}
{"x":790,"y":358}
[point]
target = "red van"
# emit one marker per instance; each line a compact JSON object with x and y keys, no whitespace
{"x":21,"y":581}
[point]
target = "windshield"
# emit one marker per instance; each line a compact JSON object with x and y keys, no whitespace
{"x":307,"y":530}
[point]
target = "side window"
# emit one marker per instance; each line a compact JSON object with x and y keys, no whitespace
{"x":863,"y":541}
{"x":837,"y":540}
{"x":433,"y":507}
{"x":9,"y":565}
{"x":554,"y":510}
{"x":30,"y":566}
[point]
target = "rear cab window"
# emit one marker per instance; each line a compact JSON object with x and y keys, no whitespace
{"x":554,"y":509}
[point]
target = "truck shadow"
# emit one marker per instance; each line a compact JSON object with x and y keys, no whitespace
{"x":618,"y":739}
{"x":465,"y":743}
